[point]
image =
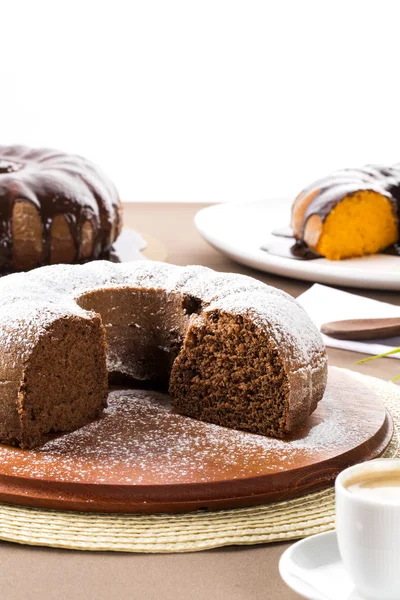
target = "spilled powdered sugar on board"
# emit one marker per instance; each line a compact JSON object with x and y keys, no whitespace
{"x":140,"y":440}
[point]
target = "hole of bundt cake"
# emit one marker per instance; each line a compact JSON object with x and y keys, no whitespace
{"x":144,"y":331}
{"x":230,"y":374}
{"x":65,"y":384}
{"x":361,"y":224}
{"x":158,"y":384}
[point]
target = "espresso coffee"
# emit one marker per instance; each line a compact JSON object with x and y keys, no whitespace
{"x":379,"y":485}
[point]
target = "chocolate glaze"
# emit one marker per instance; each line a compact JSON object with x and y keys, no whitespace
{"x":288,"y":247}
{"x":57,"y":184}
{"x":393,"y":250}
{"x":331,"y":190}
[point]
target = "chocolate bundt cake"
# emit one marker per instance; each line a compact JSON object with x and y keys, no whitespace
{"x":54,"y":208}
{"x":353,"y":212}
{"x":232,"y":350}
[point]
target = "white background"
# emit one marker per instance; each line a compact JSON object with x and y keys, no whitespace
{"x":205,"y":100}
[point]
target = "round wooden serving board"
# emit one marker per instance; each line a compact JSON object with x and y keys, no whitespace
{"x":141,"y":457}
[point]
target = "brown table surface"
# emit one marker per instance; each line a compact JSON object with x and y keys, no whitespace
{"x":238,"y":573}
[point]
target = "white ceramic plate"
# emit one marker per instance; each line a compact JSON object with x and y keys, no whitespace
{"x":239,"y":230}
{"x":313,"y":568}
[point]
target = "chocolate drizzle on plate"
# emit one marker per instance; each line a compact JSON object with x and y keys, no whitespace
{"x":287,"y":246}
{"x":393,"y":250}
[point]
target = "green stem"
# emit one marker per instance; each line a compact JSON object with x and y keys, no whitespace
{"x":395,"y":351}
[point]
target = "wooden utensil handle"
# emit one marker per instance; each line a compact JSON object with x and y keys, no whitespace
{"x":362,"y":329}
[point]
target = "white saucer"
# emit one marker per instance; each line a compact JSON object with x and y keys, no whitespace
{"x":313,"y":568}
{"x":239,"y":230}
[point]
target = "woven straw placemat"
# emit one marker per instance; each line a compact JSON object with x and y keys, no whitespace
{"x":281,"y":521}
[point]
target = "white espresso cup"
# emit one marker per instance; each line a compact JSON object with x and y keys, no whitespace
{"x":368,"y":531}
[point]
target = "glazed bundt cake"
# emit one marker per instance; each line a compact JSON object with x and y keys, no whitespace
{"x":353,"y":212}
{"x":54,"y":208}
{"x":232,"y":350}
